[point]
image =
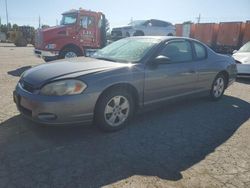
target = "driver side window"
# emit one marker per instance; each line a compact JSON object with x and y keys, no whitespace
{"x":178,"y":51}
{"x":87,"y":21}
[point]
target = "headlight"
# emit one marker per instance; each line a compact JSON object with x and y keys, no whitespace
{"x":50,"y":46}
{"x":64,"y":87}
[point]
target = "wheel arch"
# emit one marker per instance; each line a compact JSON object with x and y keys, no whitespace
{"x":226,"y":75}
{"x":139,"y":31}
{"x":127,"y":86}
{"x":71,"y":45}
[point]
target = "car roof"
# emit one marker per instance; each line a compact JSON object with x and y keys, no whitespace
{"x":166,"y":38}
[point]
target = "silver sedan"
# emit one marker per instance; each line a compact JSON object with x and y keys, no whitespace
{"x":120,"y":79}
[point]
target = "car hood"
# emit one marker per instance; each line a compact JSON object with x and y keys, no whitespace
{"x":243,"y":57}
{"x":63,"y":69}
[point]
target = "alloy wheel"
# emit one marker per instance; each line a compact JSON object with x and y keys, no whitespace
{"x":117,"y":111}
{"x":70,"y":55}
{"x":218,"y":88}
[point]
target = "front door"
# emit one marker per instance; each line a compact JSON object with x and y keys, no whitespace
{"x":87,"y":34}
{"x":176,"y":77}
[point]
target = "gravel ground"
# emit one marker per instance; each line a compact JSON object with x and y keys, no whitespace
{"x":192,"y":143}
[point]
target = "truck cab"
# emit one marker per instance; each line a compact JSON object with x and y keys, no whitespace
{"x":79,"y":30}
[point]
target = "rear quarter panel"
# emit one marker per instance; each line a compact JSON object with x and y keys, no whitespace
{"x":214,"y":64}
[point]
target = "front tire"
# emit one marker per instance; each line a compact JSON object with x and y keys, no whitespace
{"x":114,"y":109}
{"x":69,"y":53}
{"x":218,"y":87}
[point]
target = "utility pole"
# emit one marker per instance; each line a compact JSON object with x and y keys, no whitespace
{"x":56,"y":22}
{"x":7,"y":16}
{"x":199,"y":18}
{"x":39,"y":22}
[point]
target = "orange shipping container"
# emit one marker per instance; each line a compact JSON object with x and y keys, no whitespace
{"x":229,"y":34}
{"x":246,"y":35}
{"x":206,"y":33}
{"x":178,"y":28}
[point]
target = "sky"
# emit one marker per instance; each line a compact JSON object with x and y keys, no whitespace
{"x":27,"y":12}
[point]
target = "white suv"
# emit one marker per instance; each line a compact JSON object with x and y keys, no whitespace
{"x":144,"y":27}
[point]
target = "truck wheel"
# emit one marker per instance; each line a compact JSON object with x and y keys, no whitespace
{"x":69,"y":53}
{"x":138,"y":33}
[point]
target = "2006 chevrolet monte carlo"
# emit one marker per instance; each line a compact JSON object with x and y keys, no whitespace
{"x":127,"y":75}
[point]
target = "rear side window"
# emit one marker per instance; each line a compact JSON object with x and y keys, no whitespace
{"x":178,"y":51}
{"x":200,"y":51}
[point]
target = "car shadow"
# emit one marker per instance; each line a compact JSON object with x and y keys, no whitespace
{"x":18,"y":72}
{"x":161,"y":143}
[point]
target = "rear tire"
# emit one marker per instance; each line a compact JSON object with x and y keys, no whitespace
{"x":218,"y":87}
{"x":114,"y":110}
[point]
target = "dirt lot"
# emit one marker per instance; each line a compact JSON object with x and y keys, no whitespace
{"x":193,"y":143}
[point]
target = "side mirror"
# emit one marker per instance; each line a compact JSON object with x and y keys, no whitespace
{"x":235,"y":51}
{"x":161,"y":60}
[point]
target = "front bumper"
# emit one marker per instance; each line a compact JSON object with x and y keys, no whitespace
{"x":243,"y":70}
{"x":53,"y":110}
{"x":46,"y":55}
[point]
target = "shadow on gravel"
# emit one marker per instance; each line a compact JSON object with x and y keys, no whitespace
{"x":243,"y":80}
{"x":18,"y":72}
{"x":162,"y":143}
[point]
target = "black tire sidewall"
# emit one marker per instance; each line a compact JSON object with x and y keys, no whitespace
{"x":66,"y":50}
{"x":212,"y":88}
{"x":100,"y":108}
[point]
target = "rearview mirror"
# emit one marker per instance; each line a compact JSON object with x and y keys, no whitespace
{"x":161,"y":59}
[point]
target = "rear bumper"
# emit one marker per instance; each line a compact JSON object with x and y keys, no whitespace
{"x":46,"y":55}
{"x":243,"y":70}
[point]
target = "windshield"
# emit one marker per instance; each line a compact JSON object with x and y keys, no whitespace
{"x":245,"y":48}
{"x":137,"y":23}
{"x":127,"y":50}
{"x":69,"y":19}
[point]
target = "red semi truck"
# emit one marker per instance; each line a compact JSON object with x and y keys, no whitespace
{"x":79,"y":31}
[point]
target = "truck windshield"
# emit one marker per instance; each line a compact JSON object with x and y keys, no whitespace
{"x":68,"y":19}
{"x":128,"y":50}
